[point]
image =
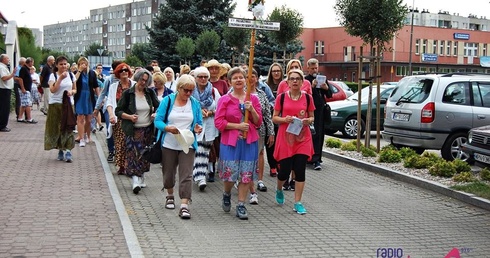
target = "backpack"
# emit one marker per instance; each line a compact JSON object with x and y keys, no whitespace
{"x":56,"y":76}
{"x":281,"y":96}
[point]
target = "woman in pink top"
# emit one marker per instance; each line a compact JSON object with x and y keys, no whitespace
{"x":293,"y":150}
{"x":238,"y":155}
{"x":284,"y":86}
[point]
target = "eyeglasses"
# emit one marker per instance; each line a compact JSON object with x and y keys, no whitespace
{"x":124,"y":70}
{"x":294,"y":79}
{"x":202,"y":77}
{"x":276,"y":71}
{"x":187,"y":91}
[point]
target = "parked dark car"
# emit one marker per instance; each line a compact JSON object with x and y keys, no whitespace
{"x":344,"y":113}
{"x":478,"y":145}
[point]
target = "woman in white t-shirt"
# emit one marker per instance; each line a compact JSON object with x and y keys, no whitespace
{"x":60,"y":80}
{"x":170,"y":84}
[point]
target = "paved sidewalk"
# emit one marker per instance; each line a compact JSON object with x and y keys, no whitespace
{"x":51,"y":208}
{"x":56,"y":209}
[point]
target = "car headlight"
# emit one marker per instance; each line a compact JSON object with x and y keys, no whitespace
{"x":334,"y":113}
{"x":470,"y":137}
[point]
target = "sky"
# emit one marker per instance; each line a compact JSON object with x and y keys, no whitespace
{"x":316,"y":13}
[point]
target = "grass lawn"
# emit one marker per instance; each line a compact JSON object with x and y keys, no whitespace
{"x":478,"y":188}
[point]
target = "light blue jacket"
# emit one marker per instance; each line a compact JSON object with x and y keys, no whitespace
{"x":162,"y":112}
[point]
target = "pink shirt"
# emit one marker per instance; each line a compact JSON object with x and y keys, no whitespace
{"x":288,"y":144}
{"x":283,"y":87}
{"x":229,"y":111}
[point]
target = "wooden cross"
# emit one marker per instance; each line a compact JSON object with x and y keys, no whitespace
{"x":251,"y":24}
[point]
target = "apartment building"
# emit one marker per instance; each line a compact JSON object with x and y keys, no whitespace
{"x":116,"y":28}
{"x":440,"y":42}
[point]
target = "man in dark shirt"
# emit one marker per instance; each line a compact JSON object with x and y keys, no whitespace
{"x":25,"y":85}
{"x":319,"y":94}
{"x":43,"y":78}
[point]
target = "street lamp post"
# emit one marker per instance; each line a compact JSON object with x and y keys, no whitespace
{"x":411,"y":41}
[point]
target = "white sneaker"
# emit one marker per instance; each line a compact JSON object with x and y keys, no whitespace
{"x":136,"y":184}
{"x":202,"y":184}
{"x":142,"y":181}
{"x":82,"y":143}
{"x":254,"y":198}
{"x":85,"y":138}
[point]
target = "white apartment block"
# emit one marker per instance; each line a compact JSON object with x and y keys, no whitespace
{"x":117,"y":28}
{"x":443,"y":19}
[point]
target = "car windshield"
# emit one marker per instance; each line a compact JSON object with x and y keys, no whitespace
{"x":365,"y":94}
{"x":412,"y":90}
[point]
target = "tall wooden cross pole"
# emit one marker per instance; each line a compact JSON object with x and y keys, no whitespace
{"x":257,"y":7}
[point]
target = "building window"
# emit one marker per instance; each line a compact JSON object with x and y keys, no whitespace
{"x":470,"y":49}
{"x":455,"y":48}
{"x":441,"y":47}
{"x":417,"y":46}
{"x":424,"y":46}
{"x":319,"y":48}
{"x":448,"y":48}
{"x":484,"y":50}
{"x":434,"y":47}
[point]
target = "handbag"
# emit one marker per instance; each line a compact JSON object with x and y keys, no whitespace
{"x":153,"y":152}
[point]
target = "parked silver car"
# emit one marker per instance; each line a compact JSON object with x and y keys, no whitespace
{"x":437,"y":111}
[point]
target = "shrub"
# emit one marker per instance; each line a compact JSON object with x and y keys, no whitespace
{"x":348,"y":146}
{"x":485,"y":174}
{"x":368,"y":152}
{"x":432,"y":157}
{"x":407,"y":152}
{"x":461,"y":166}
{"x":416,"y":161}
{"x":333,"y":143}
{"x":389,"y":146}
{"x":464,"y":177}
{"x":443,"y":169}
{"x":389,"y":155}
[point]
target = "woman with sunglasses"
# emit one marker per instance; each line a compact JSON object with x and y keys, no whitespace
{"x":136,"y":109}
{"x":238,"y":154}
{"x":293,"y":150}
{"x":121,"y":83}
{"x":208,"y":97}
{"x":177,"y":113}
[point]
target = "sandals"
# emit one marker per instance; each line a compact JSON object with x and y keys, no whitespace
{"x":170,"y":203}
{"x":184,"y":213}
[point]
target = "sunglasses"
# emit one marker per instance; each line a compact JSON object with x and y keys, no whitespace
{"x":294,"y":79}
{"x":187,"y":91}
{"x":124,"y":70}
{"x":202,"y":77}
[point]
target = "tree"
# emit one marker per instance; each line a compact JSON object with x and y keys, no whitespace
{"x":291,"y":26}
{"x":93,"y":50}
{"x":265,"y":49}
{"x":142,"y":52}
{"x":133,"y":60}
{"x":375,"y":22}
{"x":185,"y":48}
{"x":188,"y":18}
{"x":208,"y":43}
{"x":27,"y":45}
{"x":236,"y":38}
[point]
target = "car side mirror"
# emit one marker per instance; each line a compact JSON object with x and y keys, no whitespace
{"x":382,"y":101}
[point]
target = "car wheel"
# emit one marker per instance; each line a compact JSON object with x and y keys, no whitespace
{"x":452,"y":147}
{"x":350,"y":127}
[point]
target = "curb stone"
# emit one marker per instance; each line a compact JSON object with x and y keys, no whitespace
{"x":414,"y":180}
